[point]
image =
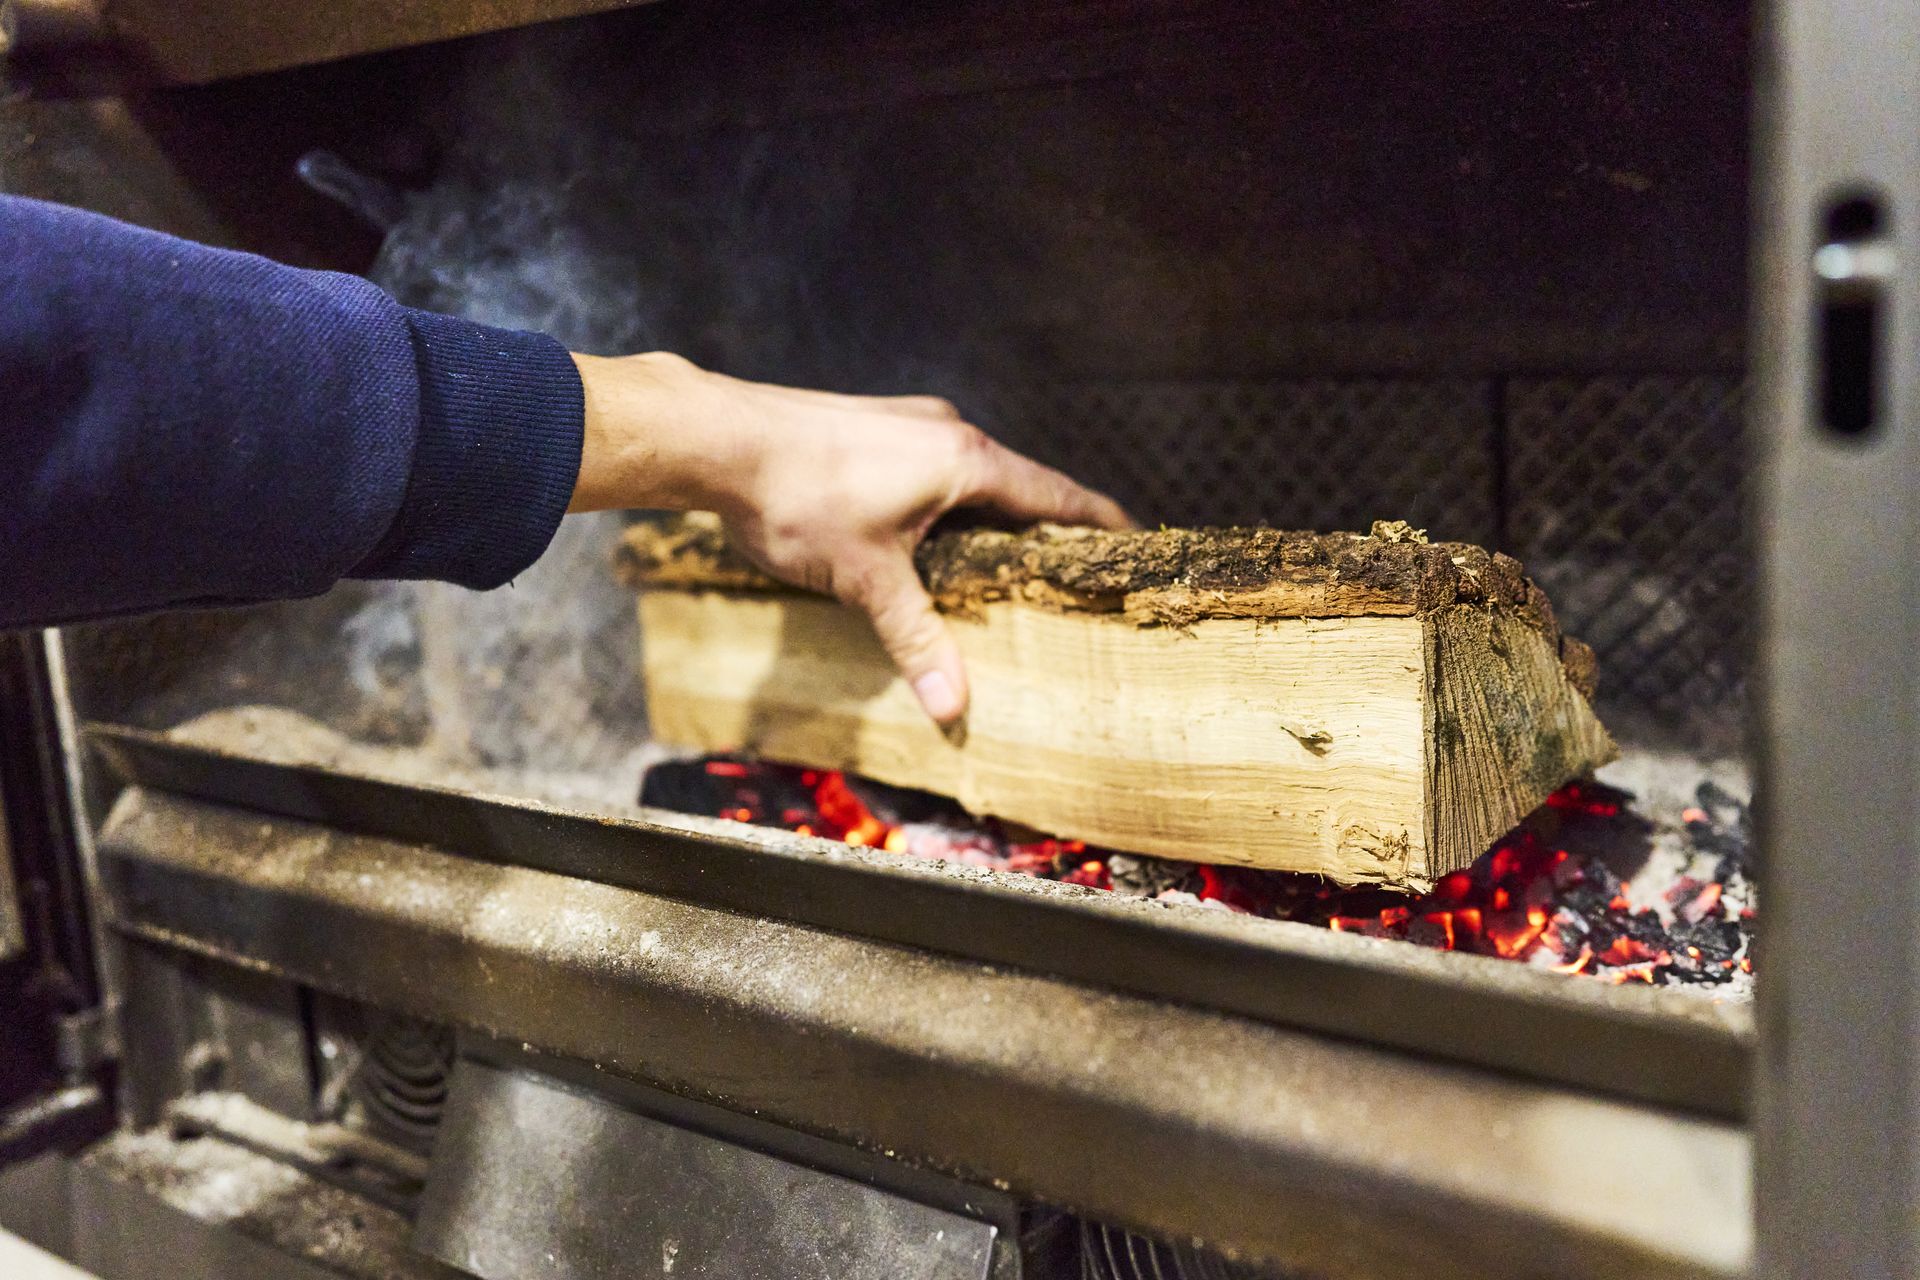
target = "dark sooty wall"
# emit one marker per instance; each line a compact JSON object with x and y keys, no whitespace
{"x":1477,"y":265}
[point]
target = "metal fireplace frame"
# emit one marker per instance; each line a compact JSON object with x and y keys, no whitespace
{"x":1838,"y":1085}
{"x":1363,"y":1108}
{"x":1086,"y":1053}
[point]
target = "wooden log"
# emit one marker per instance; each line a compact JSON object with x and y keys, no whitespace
{"x":1372,"y":708}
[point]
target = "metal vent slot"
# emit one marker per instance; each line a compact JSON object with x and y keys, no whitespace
{"x":1109,"y":1253}
{"x":402,"y":1081}
{"x":389,"y":1074}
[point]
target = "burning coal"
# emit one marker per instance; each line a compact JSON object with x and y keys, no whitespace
{"x":1587,"y":885}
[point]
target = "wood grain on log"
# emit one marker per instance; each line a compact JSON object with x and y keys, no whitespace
{"x":1371,"y":708}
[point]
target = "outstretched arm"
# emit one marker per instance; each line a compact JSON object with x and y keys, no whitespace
{"x":183,"y":425}
{"x":829,"y":492}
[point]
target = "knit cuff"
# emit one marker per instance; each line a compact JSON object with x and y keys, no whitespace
{"x":501,"y":421}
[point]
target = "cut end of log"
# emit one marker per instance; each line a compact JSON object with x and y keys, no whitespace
{"x":1370,"y":707}
{"x":1510,"y":726}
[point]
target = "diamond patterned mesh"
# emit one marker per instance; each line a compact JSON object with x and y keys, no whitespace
{"x":1310,"y":454}
{"x":1628,"y":507}
{"x":1624,"y":496}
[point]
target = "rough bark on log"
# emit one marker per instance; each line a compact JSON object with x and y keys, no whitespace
{"x":1374,"y":708}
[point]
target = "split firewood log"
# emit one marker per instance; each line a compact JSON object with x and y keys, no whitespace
{"x":1374,"y":708}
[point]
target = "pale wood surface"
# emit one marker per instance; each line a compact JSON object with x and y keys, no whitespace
{"x":1291,"y":742}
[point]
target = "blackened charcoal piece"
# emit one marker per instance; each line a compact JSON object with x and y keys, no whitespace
{"x":1592,"y":897}
{"x":1144,"y":877}
{"x":717,"y":787}
{"x":1645,"y":927}
{"x":1716,"y":841}
{"x":1728,"y":833}
{"x":685,"y":786}
{"x":897,"y":805}
{"x":1713,"y":797}
{"x":1717,"y":941}
{"x":1569,"y":933}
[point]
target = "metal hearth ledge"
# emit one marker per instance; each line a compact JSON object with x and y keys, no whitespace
{"x":1668,"y":1048}
{"x":1262,"y":1141}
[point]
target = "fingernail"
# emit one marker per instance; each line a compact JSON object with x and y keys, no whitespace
{"x":937,"y":695}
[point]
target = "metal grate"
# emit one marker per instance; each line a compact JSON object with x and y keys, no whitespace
{"x":1109,"y":1253}
{"x":1622,"y":495}
{"x":1628,"y":507}
{"x":1310,"y":454}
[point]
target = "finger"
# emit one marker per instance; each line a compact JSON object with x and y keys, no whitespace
{"x":1026,"y":490}
{"x":915,"y":638}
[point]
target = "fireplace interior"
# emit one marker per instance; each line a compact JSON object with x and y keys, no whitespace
{"x":373,"y":874}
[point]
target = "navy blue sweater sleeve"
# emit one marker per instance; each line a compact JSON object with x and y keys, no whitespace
{"x":183,"y":425}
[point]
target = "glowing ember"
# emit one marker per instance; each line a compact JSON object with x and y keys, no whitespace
{"x":1542,"y":895}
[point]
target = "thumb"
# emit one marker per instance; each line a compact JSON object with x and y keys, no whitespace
{"x":916,"y":639}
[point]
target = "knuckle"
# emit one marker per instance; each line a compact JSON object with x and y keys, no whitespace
{"x":968,"y":443}
{"x":667,"y":361}
{"x":783,"y":549}
{"x":940,"y":405}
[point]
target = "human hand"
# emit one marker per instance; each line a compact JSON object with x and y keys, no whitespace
{"x":829,"y":492}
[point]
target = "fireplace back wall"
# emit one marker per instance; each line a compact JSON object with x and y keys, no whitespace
{"x":1480,"y":267}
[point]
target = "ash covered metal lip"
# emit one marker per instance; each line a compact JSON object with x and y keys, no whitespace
{"x":1261,"y":1141}
{"x":1646,"y":1044}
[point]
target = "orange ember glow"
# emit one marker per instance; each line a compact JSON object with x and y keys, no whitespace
{"x":1092,"y":873}
{"x":1576,"y":965}
{"x":1513,"y":937}
{"x":1626,"y":951}
{"x":1633,"y":973}
{"x":1702,"y":904}
{"x":845,"y":812}
{"x":1526,"y":900}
